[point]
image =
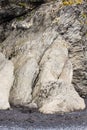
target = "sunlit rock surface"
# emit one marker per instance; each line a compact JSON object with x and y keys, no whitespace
{"x":54,"y":91}
{"x":25,"y":75}
{"x":6,"y":81}
{"x":43,"y":53}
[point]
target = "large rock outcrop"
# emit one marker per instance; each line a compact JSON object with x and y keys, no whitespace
{"x":54,"y":91}
{"x":38,"y":46}
{"x":6,"y":81}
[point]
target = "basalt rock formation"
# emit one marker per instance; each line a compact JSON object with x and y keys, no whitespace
{"x":49,"y":52}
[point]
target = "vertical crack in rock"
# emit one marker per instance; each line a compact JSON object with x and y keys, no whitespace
{"x":32,"y":104}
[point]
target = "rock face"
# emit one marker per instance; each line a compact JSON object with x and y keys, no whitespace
{"x":43,"y":53}
{"x":73,"y":28}
{"x":25,"y":75}
{"x":54,"y":91}
{"x":27,"y":67}
{"x":52,"y":64}
{"x":6,"y":81}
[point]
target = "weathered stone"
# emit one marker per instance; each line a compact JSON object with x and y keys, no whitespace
{"x":54,"y":91}
{"x":39,"y":41}
{"x":64,"y":99}
{"x":6,"y":81}
{"x":25,"y":75}
{"x":73,"y":28}
{"x":52,"y":63}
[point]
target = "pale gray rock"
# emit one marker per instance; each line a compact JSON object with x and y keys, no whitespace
{"x":6,"y":81}
{"x":26,"y":64}
{"x":54,"y":91}
{"x":25,"y":75}
{"x":63,"y":99}
{"x":59,"y":94}
{"x":69,"y":22}
{"x":52,"y":63}
{"x":39,"y":46}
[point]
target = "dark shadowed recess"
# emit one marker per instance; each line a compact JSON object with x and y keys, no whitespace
{"x":10,"y":9}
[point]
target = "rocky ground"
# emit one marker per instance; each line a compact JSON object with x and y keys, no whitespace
{"x":25,"y":118}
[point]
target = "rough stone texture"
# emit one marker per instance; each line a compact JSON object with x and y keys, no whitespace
{"x":54,"y":91}
{"x":73,"y":27}
{"x":6,"y":81}
{"x":52,"y":64}
{"x":63,"y":99}
{"x":71,"y":23}
{"x":5,"y":31}
{"x":26,"y":66}
{"x":36,"y":43}
{"x":25,"y":76}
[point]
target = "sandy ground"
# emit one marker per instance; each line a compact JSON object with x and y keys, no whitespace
{"x":25,"y":118}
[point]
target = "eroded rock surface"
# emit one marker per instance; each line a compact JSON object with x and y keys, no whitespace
{"x":27,"y":66}
{"x":43,"y":53}
{"x":54,"y":91}
{"x":25,"y":75}
{"x":73,"y":28}
{"x":6,"y":81}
